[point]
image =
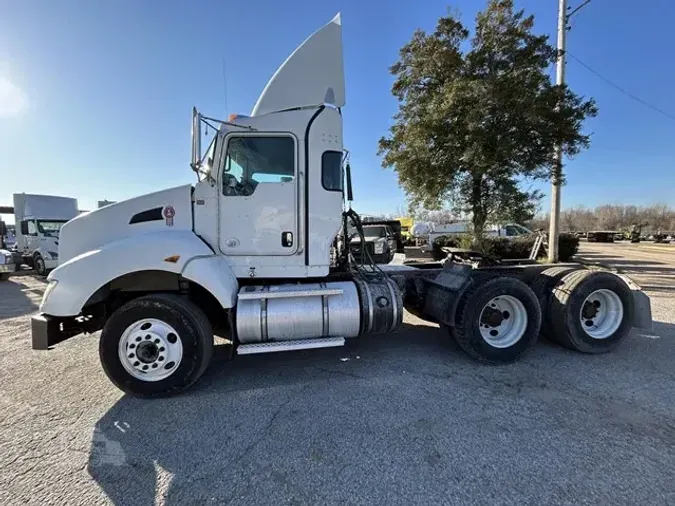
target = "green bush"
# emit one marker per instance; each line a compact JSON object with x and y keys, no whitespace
{"x":503,"y":248}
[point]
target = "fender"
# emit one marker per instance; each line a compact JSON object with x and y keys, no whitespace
{"x":72,"y":283}
{"x":216,"y":276}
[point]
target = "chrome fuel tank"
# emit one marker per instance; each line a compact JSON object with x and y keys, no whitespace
{"x":297,"y":311}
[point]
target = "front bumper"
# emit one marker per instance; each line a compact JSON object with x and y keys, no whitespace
{"x":48,"y":330}
{"x":7,"y":268}
{"x":378,"y":258}
{"x":51,"y":264}
{"x":383,"y":258}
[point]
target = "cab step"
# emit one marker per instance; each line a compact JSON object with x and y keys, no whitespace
{"x":299,"y":344}
{"x":279,"y":294}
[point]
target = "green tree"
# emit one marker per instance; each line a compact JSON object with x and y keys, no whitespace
{"x":476,"y":118}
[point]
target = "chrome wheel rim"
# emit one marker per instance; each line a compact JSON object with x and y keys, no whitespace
{"x":503,"y":321}
{"x":601,"y":314}
{"x":150,"y":350}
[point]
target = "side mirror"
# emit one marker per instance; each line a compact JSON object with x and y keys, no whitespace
{"x":196,"y":139}
{"x":24,"y":228}
{"x":348,"y":170}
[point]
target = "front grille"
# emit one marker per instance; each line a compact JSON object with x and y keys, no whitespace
{"x":356,"y":248}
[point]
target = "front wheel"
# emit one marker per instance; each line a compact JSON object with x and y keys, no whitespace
{"x":156,"y":346}
{"x":497,"y":320}
{"x":39,"y":264}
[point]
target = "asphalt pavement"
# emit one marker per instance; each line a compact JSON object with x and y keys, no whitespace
{"x":403,"y":418}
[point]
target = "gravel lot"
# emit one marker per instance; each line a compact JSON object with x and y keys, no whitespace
{"x":402,"y":418}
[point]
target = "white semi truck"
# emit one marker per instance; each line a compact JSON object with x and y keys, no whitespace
{"x":250,"y":252}
{"x":38,"y":220}
{"x":7,"y":259}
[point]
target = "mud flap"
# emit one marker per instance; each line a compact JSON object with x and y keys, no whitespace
{"x":642,"y":317}
{"x":444,"y":292}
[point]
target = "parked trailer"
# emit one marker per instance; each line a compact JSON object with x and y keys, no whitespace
{"x":601,"y":236}
{"x":249,"y":252}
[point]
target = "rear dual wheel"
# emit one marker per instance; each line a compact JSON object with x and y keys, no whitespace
{"x":589,"y":311}
{"x":498,"y":319}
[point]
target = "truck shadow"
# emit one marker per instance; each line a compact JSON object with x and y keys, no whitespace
{"x":18,"y":299}
{"x":211,"y":443}
{"x":200,"y":435}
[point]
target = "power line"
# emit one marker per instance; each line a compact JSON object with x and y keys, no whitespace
{"x":622,"y":90}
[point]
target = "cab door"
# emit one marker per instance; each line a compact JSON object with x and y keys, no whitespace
{"x":259,"y":194}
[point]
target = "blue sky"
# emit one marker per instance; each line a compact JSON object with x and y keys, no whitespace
{"x":95,"y":96}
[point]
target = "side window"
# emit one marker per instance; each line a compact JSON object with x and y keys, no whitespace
{"x":511,"y":230}
{"x":32,"y":228}
{"x":253,"y":160}
{"x":331,"y":171}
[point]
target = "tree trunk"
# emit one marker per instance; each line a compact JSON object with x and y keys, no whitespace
{"x":478,"y":207}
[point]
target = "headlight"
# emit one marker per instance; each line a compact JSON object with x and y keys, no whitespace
{"x":379,"y":248}
{"x":50,"y":288}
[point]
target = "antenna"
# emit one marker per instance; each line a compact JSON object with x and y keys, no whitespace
{"x":225,"y":85}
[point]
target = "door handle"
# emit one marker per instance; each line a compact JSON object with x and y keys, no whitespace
{"x":287,"y":239}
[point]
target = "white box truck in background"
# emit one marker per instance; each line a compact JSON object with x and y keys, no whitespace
{"x":38,"y":221}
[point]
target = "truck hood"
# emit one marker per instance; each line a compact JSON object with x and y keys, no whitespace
{"x":167,"y":209}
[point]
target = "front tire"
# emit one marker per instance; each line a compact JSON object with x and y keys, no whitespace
{"x":156,"y":345}
{"x":39,"y":264}
{"x":498,"y":320}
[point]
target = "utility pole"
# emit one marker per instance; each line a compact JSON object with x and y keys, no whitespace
{"x":556,"y":176}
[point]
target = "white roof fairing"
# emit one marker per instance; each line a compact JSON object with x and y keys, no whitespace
{"x":312,"y":75}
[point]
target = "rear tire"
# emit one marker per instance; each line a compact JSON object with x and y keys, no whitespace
{"x":542,"y":287}
{"x":591,"y":311}
{"x":484,"y":338}
{"x":183,"y":337}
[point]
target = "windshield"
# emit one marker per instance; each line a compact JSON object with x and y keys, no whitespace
{"x":50,"y":228}
{"x":374,"y":232}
